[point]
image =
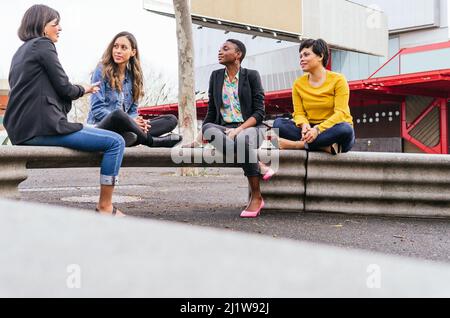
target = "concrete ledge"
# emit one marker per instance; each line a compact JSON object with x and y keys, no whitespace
{"x":412,"y":185}
{"x":58,"y":157}
{"x":58,"y":252}
{"x":13,"y":171}
{"x":358,"y":182}
{"x":286,"y":190}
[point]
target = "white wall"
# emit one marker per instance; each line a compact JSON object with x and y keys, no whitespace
{"x":346,"y":25}
{"x":408,"y":14}
{"x":208,"y":42}
{"x":436,"y":35}
{"x":448,"y":17}
{"x":427,"y":20}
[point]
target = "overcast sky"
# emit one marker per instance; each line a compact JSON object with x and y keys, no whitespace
{"x":88,"y":27}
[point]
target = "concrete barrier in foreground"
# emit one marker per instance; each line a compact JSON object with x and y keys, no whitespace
{"x":58,"y":252}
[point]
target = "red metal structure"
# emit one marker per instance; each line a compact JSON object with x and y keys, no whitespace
{"x":434,"y":84}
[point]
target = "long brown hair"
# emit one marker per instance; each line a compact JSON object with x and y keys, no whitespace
{"x":111,"y":69}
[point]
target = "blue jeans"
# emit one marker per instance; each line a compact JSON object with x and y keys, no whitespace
{"x":92,"y":140}
{"x":342,"y":134}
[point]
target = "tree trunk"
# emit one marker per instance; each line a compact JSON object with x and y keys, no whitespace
{"x":187,"y":113}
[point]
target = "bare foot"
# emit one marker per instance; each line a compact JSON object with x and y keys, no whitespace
{"x":284,"y":144}
{"x":194,"y":144}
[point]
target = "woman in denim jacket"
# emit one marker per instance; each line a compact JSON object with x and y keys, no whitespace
{"x":114,"y":107}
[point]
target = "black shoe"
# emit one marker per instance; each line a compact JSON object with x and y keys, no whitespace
{"x":130,"y":138}
{"x":167,"y":141}
{"x":336,"y":149}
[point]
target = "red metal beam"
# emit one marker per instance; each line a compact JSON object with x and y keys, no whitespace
{"x":444,"y":126}
{"x":437,"y":75}
{"x":442,"y":146}
{"x":425,"y":112}
{"x":330,"y":62}
{"x":425,"y":48}
{"x":389,"y":61}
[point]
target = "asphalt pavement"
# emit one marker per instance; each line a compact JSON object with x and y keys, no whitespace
{"x":215,"y":199}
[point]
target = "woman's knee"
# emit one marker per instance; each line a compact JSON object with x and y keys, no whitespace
{"x":283,"y":124}
{"x":285,"y":128}
{"x":118,"y":114}
{"x":207,"y":127}
{"x":279,"y":122}
{"x":117,"y":142}
{"x":172,"y":121}
{"x":346,"y":130}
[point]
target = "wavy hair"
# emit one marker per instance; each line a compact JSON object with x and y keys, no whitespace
{"x":111,"y":69}
{"x":319,"y":47}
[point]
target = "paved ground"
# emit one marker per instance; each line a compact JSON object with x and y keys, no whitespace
{"x":216,"y":198}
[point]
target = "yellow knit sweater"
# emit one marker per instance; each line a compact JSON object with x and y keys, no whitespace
{"x":326,"y":105}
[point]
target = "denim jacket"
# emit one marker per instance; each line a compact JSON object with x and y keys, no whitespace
{"x":108,"y":100}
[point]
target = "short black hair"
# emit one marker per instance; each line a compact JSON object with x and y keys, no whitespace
{"x":240,"y":46}
{"x":319,"y":47}
{"x":34,"y":21}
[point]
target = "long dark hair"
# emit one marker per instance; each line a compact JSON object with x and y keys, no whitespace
{"x":111,"y":69}
{"x":34,"y":21}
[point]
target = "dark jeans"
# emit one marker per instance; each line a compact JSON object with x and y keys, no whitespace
{"x":242,"y":150}
{"x":342,"y":134}
{"x":120,"y":122}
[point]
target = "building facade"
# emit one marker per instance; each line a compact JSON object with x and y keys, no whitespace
{"x":379,"y":123}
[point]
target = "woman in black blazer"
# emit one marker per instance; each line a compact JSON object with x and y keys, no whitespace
{"x":233,"y":123}
{"x":41,"y":96}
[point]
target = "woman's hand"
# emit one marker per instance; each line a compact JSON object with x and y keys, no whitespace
{"x":196,"y":143}
{"x":142,"y":123}
{"x":232,"y":133}
{"x":305,"y":128}
{"x":91,"y":89}
{"x":311,"y":135}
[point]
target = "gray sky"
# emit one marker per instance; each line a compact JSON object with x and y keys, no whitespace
{"x":88,"y":27}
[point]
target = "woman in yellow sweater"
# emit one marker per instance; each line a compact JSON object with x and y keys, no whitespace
{"x":321,"y":119}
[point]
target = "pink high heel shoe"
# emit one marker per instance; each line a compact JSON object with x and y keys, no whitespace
{"x":268,"y":175}
{"x":248,"y":215}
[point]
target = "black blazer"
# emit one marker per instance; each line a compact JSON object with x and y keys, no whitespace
{"x":251,"y":96}
{"x":40,"y":93}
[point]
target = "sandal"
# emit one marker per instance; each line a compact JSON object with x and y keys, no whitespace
{"x":268,"y":175}
{"x":336,"y":149}
{"x":114,"y":211}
